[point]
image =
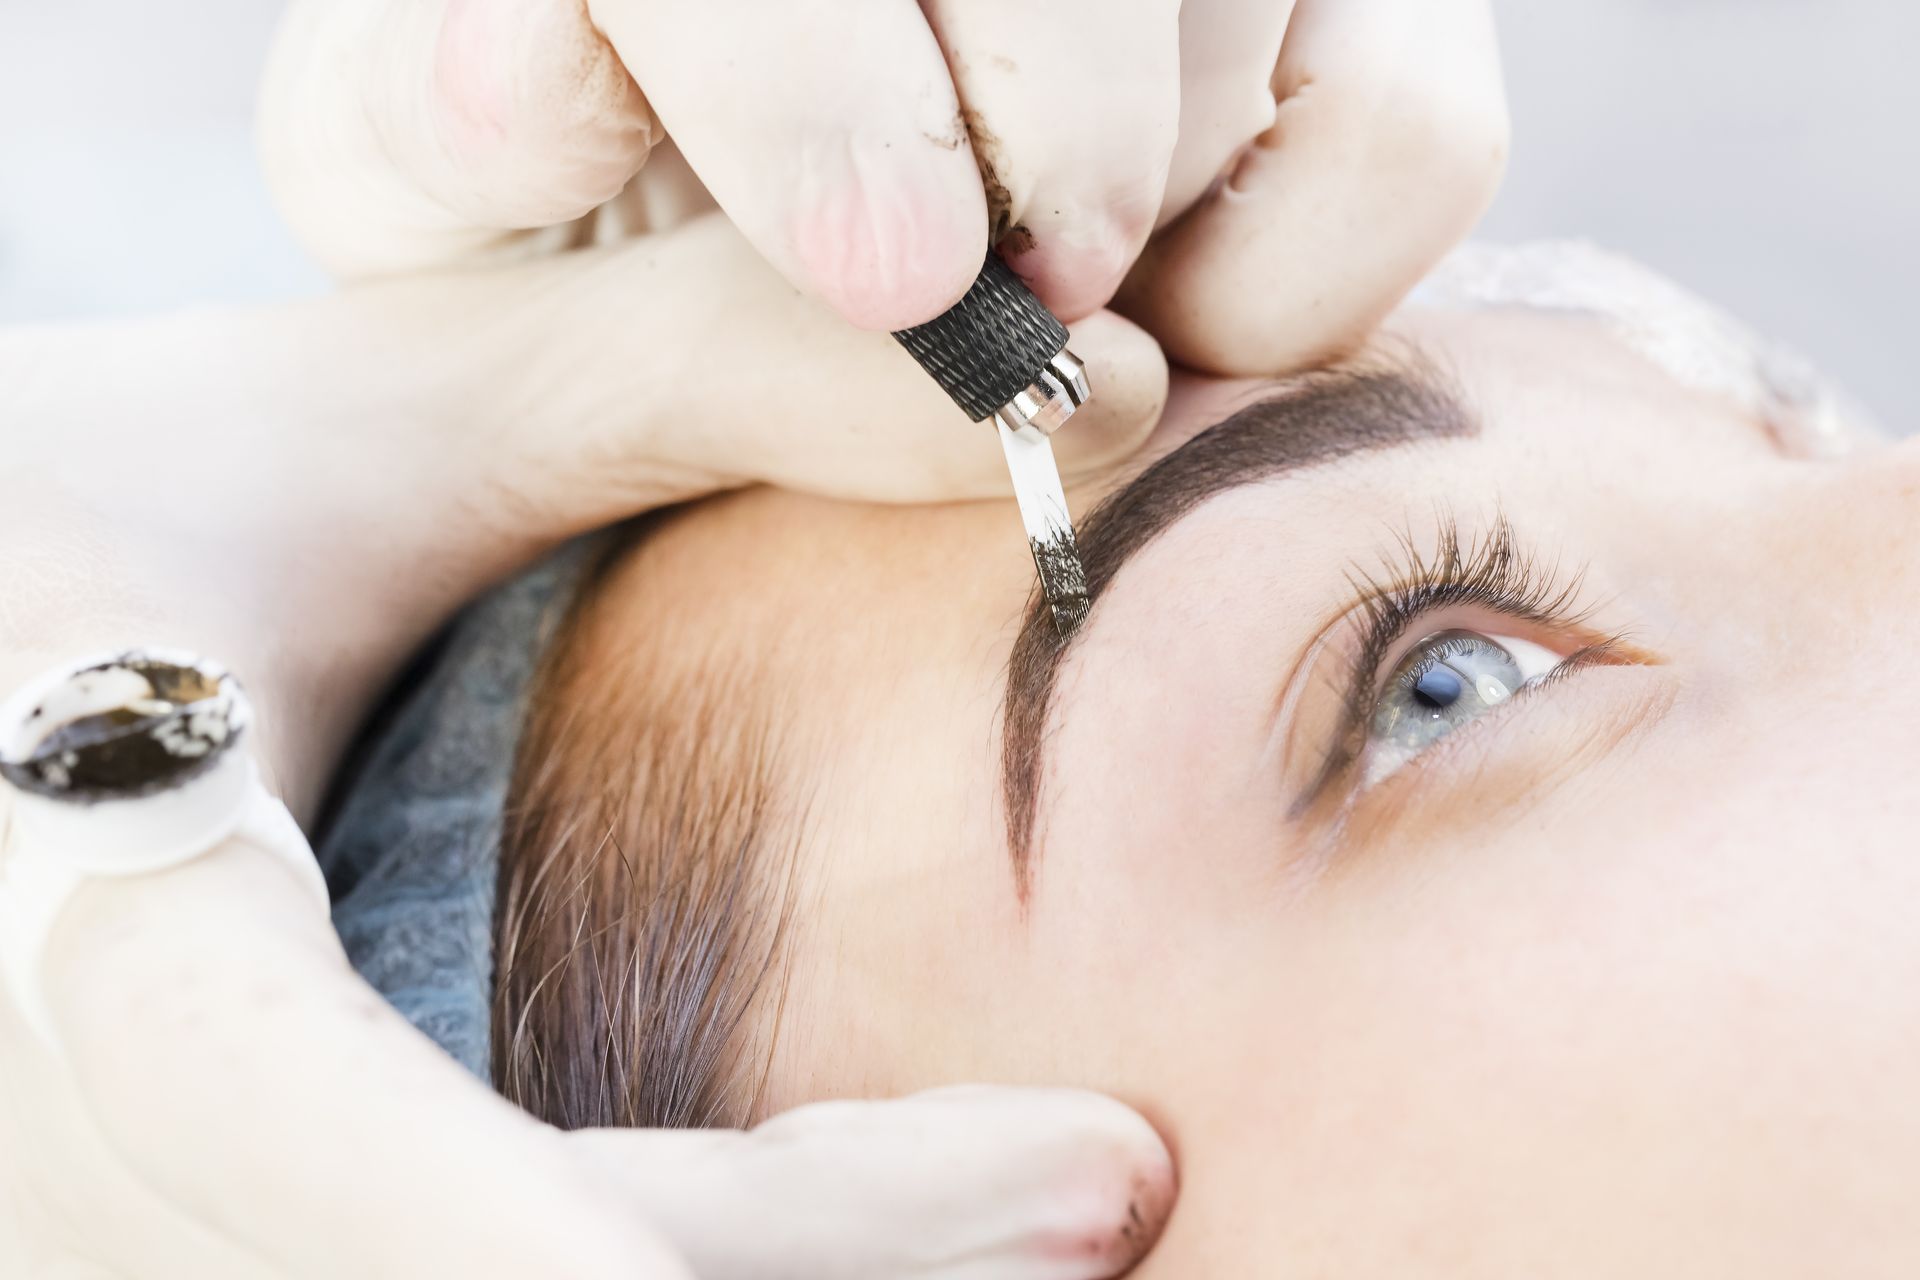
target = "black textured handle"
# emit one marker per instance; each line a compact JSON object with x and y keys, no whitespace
{"x":992,"y":345}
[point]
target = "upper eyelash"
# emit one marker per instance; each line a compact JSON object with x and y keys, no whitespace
{"x":1492,"y":570}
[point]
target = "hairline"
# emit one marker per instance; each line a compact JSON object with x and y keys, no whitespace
{"x":645,"y":885}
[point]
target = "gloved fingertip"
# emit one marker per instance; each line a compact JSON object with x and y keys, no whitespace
{"x":893,"y":245}
{"x":1105,"y":1187}
{"x":1074,"y":280}
{"x":1075,"y":256}
{"x":1128,"y":375}
{"x":1129,"y":1195}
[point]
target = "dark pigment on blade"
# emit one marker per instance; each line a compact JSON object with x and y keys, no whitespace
{"x":1062,"y":580}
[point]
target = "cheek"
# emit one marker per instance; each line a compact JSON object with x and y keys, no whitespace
{"x":1678,"y":1022}
{"x":1672,"y":1021}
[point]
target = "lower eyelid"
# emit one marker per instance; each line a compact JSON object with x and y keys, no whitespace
{"x":1552,"y":670}
{"x":1376,"y":759}
{"x":1492,"y":769}
{"x":1335,"y":772}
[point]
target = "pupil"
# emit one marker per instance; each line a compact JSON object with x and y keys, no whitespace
{"x":1437,"y":688}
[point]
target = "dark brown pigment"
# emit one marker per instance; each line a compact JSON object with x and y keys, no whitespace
{"x":123,"y":754}
{"x":1062,"y":580}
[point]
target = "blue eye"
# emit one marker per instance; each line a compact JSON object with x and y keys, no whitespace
{"x":1445,"y":681}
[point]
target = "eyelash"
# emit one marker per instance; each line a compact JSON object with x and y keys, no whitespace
{"x":1491,"y":571}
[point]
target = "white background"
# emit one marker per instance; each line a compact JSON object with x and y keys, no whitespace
{"x":1761,"y":151}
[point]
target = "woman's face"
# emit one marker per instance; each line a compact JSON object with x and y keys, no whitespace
{"x":1429,"y":954}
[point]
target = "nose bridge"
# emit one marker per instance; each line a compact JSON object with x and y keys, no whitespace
{"x":1806,"y":597}
{"x":1870,"y":511}
{"x":1796,"y":745}
{"x":1848,"y":546}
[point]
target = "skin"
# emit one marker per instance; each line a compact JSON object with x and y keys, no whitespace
{"x":1620,"y":981}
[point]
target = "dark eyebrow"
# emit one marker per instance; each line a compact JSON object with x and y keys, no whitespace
{"x":1313,"y":420}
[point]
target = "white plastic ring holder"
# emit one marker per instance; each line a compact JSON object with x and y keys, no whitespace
{"x":122,"y":765}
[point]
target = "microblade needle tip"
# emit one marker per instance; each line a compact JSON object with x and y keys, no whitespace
{"x":1043,"y":510}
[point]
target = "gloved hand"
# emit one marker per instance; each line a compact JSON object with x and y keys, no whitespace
{"x":305,"y":492}
{"x":319,"y":485}
{"x":232,"y":1101}
{"x":1304,"y":163}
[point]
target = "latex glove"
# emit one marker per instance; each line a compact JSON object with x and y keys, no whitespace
{"x":1326,"y":153}
{"x":305,"y":493}
{"x":232,"y":1101}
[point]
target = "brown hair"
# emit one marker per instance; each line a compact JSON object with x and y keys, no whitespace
{"x":645,"y":868}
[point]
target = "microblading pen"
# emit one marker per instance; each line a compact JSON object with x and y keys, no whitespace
{"x":1002,"y":355}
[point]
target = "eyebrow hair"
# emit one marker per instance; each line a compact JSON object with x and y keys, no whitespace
{"x":1316,"y":419}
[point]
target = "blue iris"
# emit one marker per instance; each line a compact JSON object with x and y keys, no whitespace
{"x":1437,"y":688}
